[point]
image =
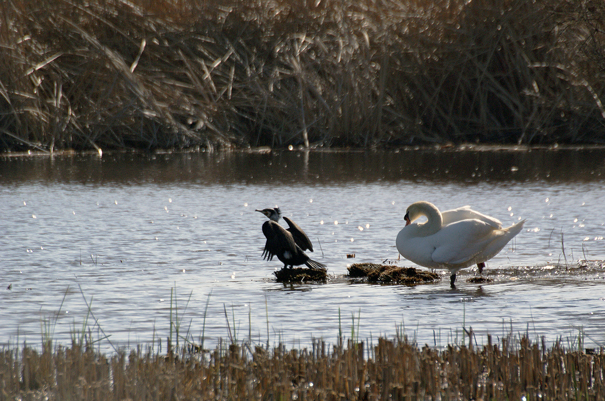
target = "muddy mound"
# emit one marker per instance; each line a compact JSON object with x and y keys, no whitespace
{"x":300,"y":274}
{"x":391,"y":274}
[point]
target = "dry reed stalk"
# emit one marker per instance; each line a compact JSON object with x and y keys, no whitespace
{"x":183,"y":74}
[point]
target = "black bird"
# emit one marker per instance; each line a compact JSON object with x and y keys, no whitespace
{"x":282,"y":242}
{"x":299,"y":235}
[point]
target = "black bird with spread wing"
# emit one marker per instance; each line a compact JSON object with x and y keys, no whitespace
{"x":288,"y":245}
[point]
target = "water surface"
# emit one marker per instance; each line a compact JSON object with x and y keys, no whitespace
{"x":119,"y":234}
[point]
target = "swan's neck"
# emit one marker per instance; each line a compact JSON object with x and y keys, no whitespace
{"x":434,"y":222}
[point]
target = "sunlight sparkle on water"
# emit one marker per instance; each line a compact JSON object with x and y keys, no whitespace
{"x":208,"y":254}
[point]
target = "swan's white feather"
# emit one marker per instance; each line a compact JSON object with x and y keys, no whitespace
{"x":464,"y":237}
{"x":466,"y":213}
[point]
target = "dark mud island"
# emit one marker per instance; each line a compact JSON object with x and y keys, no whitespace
{"x":376,"y":273}
{"x":187,"y":75}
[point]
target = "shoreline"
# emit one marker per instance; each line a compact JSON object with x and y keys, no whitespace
{"x":478,"y":148}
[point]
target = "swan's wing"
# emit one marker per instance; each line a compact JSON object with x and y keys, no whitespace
{"x":462,"y":241}
{"x":466,"y":213}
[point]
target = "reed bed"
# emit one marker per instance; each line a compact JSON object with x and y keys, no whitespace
{"x":191,"y":74}
{"x":390,"y":369}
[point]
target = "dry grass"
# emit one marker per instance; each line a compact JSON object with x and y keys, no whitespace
{"x":392,"y":369}
{"x":187,"y":73}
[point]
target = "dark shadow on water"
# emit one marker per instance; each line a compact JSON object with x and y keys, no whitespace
{"x":291,"y":287}
{"x":311,"y":168}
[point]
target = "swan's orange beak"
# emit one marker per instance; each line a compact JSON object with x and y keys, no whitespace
{"x":407,"y":220}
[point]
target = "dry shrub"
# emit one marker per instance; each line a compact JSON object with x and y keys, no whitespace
{"x":187,"y":73}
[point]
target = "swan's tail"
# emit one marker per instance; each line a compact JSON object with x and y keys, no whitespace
{"x":312,"y":264}
{"x":515,"y":228}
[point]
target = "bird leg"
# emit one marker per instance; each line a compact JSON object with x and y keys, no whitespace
{"x":452,"y":280}
{"x":480,"y":266}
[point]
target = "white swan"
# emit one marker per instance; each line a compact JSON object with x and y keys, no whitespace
{"x":452,"y":240}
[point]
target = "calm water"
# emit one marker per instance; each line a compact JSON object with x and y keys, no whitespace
{"x":122,"y":232}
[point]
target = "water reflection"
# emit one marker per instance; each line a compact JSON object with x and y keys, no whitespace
{"x":312,"y":168}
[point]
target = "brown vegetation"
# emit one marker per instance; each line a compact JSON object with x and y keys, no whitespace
{"x":222,"y":73}
{"x":391,"y":274}
{"x":392,"y":369}
{"x":300,"y":274}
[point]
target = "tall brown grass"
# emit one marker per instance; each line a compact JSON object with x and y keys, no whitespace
{"x":149,"y":74}
{"x":391,"y":369}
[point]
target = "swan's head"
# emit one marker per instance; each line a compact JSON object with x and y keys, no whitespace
{"x":419,"y":209}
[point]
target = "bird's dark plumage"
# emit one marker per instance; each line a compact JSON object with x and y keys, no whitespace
{"x":299,"y":235}
{"x":284,"y":244}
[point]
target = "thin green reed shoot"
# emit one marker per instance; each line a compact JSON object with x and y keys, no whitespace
{"x":204,"y":322}
{"x":176,"y":322}
{"x":48,"y":327}
{"x":339,"y":327}
{"x":170,"y":332}
{"x":89,"y":308}
{"x":267,"y":319}
{"x":80,"y":339}
{"x":355,"y":331}
{"x":249,"y":323}
{"x":232,"y":334}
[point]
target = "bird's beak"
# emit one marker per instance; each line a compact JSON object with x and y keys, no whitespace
{"x":407,"y":219}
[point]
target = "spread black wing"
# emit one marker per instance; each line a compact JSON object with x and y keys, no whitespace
{"x":278,"y":240}
{"x":299,"y":235}
{"x":280,"y":243}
